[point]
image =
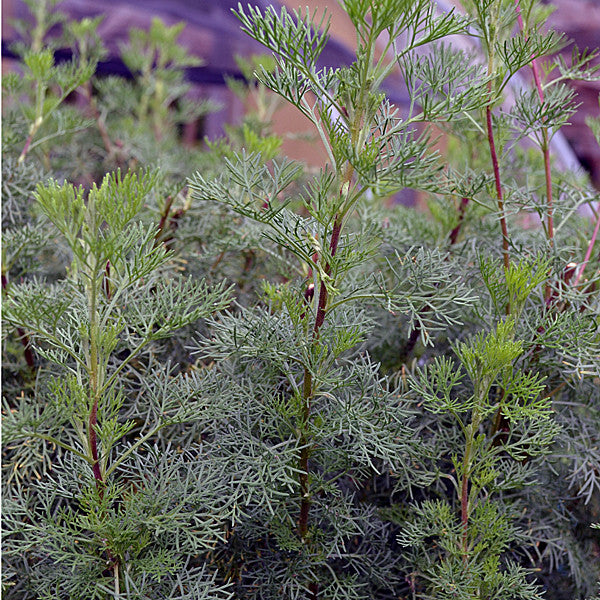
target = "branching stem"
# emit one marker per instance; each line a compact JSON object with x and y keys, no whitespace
{"x":588,"y":252}
{"x":307,"y":391}
{"x":499,"y":192}
{"x":23,"y":337}
{"x":416,"y":332}
{"x":461,"y":216}
{"x":545,"y":147}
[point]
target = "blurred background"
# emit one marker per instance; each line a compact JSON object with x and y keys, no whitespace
{"x":212,"y":33}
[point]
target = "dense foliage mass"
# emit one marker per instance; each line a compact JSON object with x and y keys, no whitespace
{"x":230,"y":375}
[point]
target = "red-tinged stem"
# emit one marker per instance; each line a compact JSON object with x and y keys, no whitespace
{"x":499,"y":193}
{"x":25,"y":148}
{"x":464,"y":489}
{"x":589,"y":251}
{"x":92,"y":438}
{"x":534,"y":67}
{"x":106,"y":281}
{"x":304,"y":456}
{"x":549,"y":201}
{"x":163,"y":219}
{"x":416,"y":332}
{"x":322,"y":308}
{"x":27,"y":351}
{"x":93,"y":421}
{"x":93,"y":441}
{"x":23,"y":337}
{"x":545,"y":148}
{"x":217,"y":261}
{"x":308,"y":391}
{"x":108,"y":145}
{"x":461,"y":215}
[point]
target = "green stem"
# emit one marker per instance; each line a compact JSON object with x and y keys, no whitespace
{"x":93,"y":357}
{"x":464,"y":502}
{"x":469,"y":432}
{"x":119,"y":461}
{"x":57,"y":442}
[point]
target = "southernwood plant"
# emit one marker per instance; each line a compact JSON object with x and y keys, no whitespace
{"x":268,"y":382}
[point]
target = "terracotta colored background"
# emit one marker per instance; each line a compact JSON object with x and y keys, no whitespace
{"x":213,"y":33}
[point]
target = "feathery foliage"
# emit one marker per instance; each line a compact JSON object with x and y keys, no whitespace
{"x":267,"y":381}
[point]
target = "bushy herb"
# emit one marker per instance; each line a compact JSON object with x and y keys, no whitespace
{"x":263,"y":382}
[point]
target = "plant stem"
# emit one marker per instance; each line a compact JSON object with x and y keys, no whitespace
{"x":93,"y":442}
{"x":464,"y":489}
{"x":94,"y":282}
{"x":461,"y":215}
{"x":498,"y":182}
{"x":464,"y":510}
{"x":164,"y":217}
{"x":108,"y":145}
{"x":25,"y":150}
{"x":40,"y":94}
{"x":589,"y":251}
{"x":95,"y":278}
{"x":323,"y":294}
{"x":307,"y":391}
{"x":27,"y":351}
{"x":545,"y":147}
{"x":304,"y":456}
{"x":116,"y":572}
{"x":492,"y":145}
{"x":23,"y":337}
{"x":414,"y":334}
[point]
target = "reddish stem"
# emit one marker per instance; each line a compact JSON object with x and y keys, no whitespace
{"x":23,"y":337}
{"x":545,"y":148}
{"x":416,"y":332}
{"x":25,"y":148}
{"x":164,"y":216}
{"x":461,"y":215}
{"x":106,"y":280}
{"x":307,"y":393}
{"x":93,"y":441}
{"x":93,"y":421}
{"x":499,"y":193}
{"x":589,"y":251}
{"x":27,"y":351}
{"x":534,"y":67}
{"x":108,"y":145}
{"x":321,"y":310}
